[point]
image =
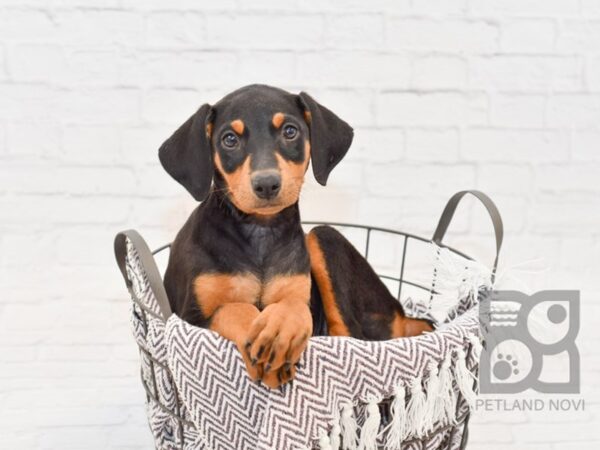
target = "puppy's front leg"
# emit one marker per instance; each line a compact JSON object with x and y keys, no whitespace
{"x":233,"y":321}
{"x":280,"y":333}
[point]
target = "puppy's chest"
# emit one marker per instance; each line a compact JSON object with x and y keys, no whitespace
{"x":270,"y":252}
{"x":213,"y":290}
{"x":264,"y":268}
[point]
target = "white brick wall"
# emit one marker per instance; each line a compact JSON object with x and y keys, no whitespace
{"x":500,"y":95}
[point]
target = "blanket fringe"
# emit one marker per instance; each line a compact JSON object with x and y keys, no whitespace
{"x":349,"y":428}
{"x":334,"y":435}
{"x":324,"y":442}
{"x":416,"y":408}
{"x":370,"y":429}
{"x":433,"y":401}
{"x":465,"y":380}
{"x":432,"y":407}
{"x":396,"y":432}
{"x":446,"y":396}
{"x":456,"y":278}
{"x":476,"y":346}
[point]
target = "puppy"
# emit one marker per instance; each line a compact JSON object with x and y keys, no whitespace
{"x":242,"y":265}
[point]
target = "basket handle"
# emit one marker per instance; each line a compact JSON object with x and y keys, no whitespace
{"x":492,"y":210}
{"x":149,"y":265}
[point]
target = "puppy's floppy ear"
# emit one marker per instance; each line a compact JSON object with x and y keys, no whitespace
{"x":330,"y":137}
{"x":187,"y":154}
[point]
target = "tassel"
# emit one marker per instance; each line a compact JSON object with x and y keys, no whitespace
{"x":465,"y":379}
{"x":324,"y":442}
{"x":433,"y":388}
{"x":397,"y":428}
{"x":334,"y":435}
{"x":476,"y":347}
{"x":416,"y":408}
{"x":349,"y":428}
{"x":446,"y":398}
{"x":370,"y":429}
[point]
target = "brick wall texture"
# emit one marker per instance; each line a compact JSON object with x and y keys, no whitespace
{"x":498,"y":95}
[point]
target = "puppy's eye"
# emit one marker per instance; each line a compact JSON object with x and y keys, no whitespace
{"x":229,"y":140}
{"x":290,"y":131}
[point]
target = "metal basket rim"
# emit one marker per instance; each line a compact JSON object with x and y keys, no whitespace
{"x":369,"y":228}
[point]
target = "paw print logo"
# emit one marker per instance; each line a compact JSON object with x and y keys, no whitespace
{"x":510,"y":362}
{"x":505,"y":367}
{"x":522,"y":333}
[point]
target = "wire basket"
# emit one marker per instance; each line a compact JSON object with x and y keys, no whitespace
{"x":401,"y":267}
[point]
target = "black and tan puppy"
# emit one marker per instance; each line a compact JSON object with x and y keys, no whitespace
{"x":242,"y":265}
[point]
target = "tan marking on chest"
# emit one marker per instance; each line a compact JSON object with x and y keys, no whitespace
{"x":287,"y":288}
{"x":213,"y":290}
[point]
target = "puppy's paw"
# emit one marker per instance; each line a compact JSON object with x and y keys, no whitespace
{"x":278,"y":377}
{"x":255,"y":370}
{"x":277,"y":338}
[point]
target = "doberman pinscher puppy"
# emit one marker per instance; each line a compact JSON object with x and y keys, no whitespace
{"x":242,"y":265}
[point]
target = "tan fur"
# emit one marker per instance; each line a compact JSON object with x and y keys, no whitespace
{"x":307,"y":117}
{"x":292,"y":176}
{"x":232,"y":321}
{"x":239,"y":185}
{"x":216,"y":289}
{"x":277,"y":120}
{"x":406,"y":327}
{"x":306,"y":152}
{"x":318,"y":266}
{"x":286,"y":287}
{"x":280,"y":334}
{"x":238,"y":126}
{"x":242,"y":194}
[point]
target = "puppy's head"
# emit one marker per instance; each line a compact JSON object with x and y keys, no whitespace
{"x":255,"y":144}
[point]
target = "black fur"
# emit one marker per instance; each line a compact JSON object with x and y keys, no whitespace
{"x":366,"y":305}
{"x":187,"y":155}
{"x":329,"y":135}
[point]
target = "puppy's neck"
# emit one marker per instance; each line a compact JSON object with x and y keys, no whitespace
{"x":260,"y":237}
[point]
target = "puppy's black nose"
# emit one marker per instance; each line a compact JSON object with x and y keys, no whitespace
{"x":266,"y":186}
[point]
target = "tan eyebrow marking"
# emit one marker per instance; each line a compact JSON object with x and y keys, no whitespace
{"x":209,"y":128}
{"x":238,"y":126}
{"x":278,"y":119}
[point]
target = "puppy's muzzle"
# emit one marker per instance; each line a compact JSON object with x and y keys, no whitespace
{"x":266,"y":185}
